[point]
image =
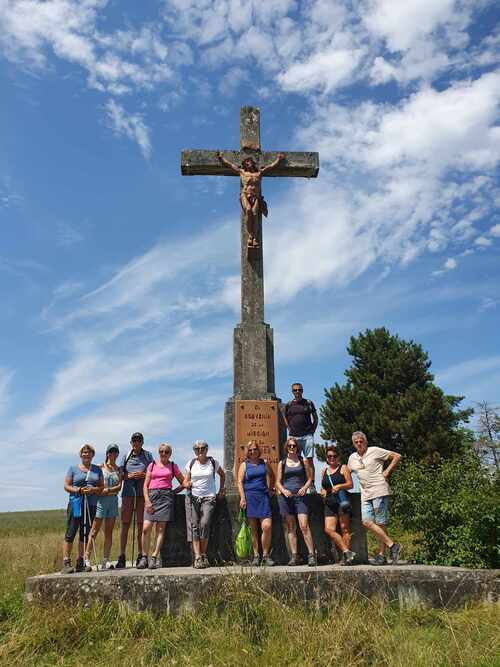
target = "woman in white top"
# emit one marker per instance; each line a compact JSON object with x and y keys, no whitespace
{"x":201,"y":499}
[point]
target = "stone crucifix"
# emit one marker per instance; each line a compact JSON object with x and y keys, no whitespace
{"x":251,"y":164}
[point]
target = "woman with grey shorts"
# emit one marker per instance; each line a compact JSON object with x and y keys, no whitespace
{"x":159,"y":504}
{"x":201,"y":500}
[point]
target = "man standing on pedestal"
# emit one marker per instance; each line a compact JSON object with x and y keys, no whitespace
{"x":301,"y":420}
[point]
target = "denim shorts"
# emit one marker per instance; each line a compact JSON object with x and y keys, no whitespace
{"x":376,"y":510}
{"x":107,"y":507}
{"x":306,"y":444}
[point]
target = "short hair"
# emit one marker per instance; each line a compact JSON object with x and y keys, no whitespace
{"x":87,"y":446}
{"x":200,"y":443}
{"x":360,"y":434}
{"x":297,"y":384}
{"x":253,"y":442}
{"x":166,"y":446}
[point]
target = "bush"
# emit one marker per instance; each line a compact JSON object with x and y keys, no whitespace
{"x":455,"y":507}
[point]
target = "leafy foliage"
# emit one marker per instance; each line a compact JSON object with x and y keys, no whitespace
{"x":391,"y":396}
{"x":454,"y":506}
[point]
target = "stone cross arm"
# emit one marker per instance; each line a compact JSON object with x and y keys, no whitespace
{"x":206,"y":163}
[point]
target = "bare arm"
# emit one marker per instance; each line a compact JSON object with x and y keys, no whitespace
{"x":147,"y":480}
{"x":232,"y":166}
{"x":309,"y":478}
{"x":68,"y":486}
{"x":222,"y":485}
{"x":241,"y":490}
{"x":394,"y":459}
{"x":113,"y":490}
{"x":273,"y":164}
{"x":270,"y":478}
{"x":315,"y":421}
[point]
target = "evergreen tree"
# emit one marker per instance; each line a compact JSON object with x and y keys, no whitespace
{"x":390,"y":395}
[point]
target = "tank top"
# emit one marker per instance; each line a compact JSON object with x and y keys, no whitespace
{"x":111,"y":477}
{"x":293,"y":477}
{"x":336,"y":478}
{"x":255,"y":476}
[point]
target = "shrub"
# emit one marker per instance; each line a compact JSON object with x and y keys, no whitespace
{"x":455,"y":507}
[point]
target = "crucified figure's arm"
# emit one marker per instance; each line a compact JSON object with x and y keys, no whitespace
{"x":232,"y":166}
{"x":264,"y":170}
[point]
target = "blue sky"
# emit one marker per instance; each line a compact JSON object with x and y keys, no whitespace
{"x":119,"y":279}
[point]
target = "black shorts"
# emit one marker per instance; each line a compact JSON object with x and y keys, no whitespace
{"x":334,"y":508}
{"x":81,"y":523}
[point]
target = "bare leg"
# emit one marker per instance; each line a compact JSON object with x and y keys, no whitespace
{"x":331,"y":531}
{"x":146,"y":534}
{"x":67,"y":548}
{"x":124,"y":536}
{"x":203,"y":547}
{"x":306,"y":532}
{"x":160,"y":536}
{"x":254,"y":525}
{"x":381,"y":534}
{"x":266,"y":525}
{"x":139,"y":538}
{"x":109,"y":525}
{"x":345,"y":529}
{"x":196,"y":548}
{"x":292,"y":535}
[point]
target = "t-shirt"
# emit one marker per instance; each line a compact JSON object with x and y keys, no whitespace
{"x":134,"y":463}
{"x":203,"y":478}
{"x":161,"y":476}
{"x":369,"y":469}
{"x":82,"y":478}
{"x":299,"y":417}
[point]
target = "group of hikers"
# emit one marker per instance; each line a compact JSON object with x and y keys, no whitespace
{"x":148,"y":496}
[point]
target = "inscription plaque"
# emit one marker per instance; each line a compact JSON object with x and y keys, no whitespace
{"x":257,"y":420}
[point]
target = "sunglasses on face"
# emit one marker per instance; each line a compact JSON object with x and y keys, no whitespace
{"x":199,"y":449}
{"x":252,"y":451}
{"x":292,"y":446}
{"x":164,"y":451}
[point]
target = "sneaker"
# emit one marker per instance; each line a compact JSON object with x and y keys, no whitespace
{"x":311,"y":560}
{"x":267,"y":561}
{"x":142,"y":563}
{"x":379,"y":559}
{"x":153,"y":563}
{"x":87,"y":567}
{"x":139,"y":558}
{"x":348,"y":557}
{"x":107,"y":565}
{"x":294,"y":560}
{"x":205,"y":561}
{"x":395,"y":549}
{"x":198,"y":563}
{"x":255,"y":562}
{"x":79,"y":565}
{"x":121,"y":563}
{"x":67,"y":568}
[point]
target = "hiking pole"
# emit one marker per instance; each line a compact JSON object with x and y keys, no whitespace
{"x":85,"y":508}
{"x":133,"y":522}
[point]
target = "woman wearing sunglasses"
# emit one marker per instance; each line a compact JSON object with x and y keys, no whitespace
{"x":159,"y":504}
{"x":293,"y":479}
{"x":335,"y":481}
{"x":201,"y":499}
{"x":255,"y":483}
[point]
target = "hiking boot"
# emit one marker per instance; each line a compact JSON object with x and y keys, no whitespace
{"x":142,"y":563}
{"x":198,"y":563}
{"x":107,"y":565}
{"x":153,"y":563}
{"x":67,"y":568}
{"x":87,"y":567}
{"x":294,"y":560}
{"x":348,"y":557}
{"x":139,"y":558}
{"x":267,"y":561}
{"x":79,"y":565}
{"x":379,"y":559}
{"x":121,"y":563}
{"x":311,"y":560}
{"x":394,"y":550}
{"x":255,"y":562}
{"x":205,"y":562}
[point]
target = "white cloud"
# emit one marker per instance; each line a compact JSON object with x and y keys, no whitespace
{"x":495,"y":230}
{"x":482,"y":242}
{"x":450,"y":264}
{"x":130,"y":125}
{"x":5,"y":384}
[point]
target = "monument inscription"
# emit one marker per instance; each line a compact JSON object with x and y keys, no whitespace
{"x":257,"y":421}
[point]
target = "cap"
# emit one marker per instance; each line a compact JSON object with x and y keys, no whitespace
{"x":113,"y":447}
{"x":137,"y":436}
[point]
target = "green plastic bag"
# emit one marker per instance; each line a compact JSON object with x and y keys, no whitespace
{"x":244,"y":537}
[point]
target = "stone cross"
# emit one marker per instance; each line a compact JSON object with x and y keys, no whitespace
{"x":253,"y":339}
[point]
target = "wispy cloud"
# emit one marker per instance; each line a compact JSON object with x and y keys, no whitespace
{"x":129,"y":125}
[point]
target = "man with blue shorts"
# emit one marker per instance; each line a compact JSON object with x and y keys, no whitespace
{"x":368,"y":464}
{"x":301,"y":420}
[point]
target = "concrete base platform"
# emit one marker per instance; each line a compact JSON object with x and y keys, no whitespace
{"x":182,"y":588}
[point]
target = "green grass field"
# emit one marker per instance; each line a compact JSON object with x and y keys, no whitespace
{"x":243,"y":626}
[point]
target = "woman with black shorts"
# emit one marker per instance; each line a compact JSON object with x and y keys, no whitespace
{"x":335,"y":481}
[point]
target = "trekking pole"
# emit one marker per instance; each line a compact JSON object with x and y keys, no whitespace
{"x":85,"y":537}
{"x":133,"y":522}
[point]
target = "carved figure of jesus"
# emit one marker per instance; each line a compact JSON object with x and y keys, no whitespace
{"x":251,"y":199}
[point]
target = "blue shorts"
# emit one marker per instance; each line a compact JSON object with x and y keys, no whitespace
{"x":293,"y":506}
{"x":306,"y":444}
{"x":376,"y":510}
{"x":107,"y":507}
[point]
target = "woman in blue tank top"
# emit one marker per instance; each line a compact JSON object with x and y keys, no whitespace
{"x":255,"y":483}
{"x":294,"y":478}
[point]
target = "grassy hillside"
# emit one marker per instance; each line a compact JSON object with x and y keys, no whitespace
{"x":243,"y":626}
